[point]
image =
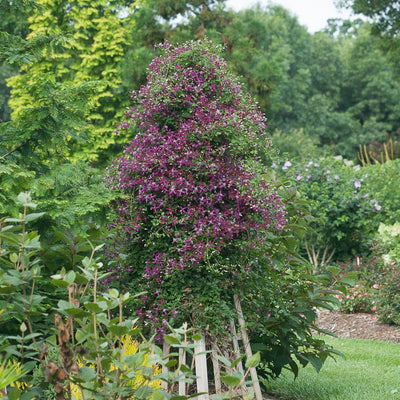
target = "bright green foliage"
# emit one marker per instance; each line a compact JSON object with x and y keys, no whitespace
{"x":49,"y":117}
{"x":97,"y":38}
{"x":386,"y":22}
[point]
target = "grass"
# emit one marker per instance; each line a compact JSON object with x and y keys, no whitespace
{"x":371,"y":371}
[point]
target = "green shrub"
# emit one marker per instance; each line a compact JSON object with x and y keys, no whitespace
{"x":343,"y":207}
{"x":358,"y":299}
{"x":388,"y":307}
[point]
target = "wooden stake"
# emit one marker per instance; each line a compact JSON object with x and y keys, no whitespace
{"x":164,"y":369}
{"x":182,"y":360}
{"x":217,"y":370}
{"x":201,"y":368}
{"x":247,"y":348}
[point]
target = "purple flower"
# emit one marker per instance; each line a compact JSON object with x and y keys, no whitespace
{"x":299,"y":177}
{"x":188,"y":190}
{"x":357,"y":184}
{"x":286,"y":165}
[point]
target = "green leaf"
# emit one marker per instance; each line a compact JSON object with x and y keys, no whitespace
{"x":171,"y":363}
{"x":185,"y":369}
{"x":14,"y":394}
{"x":11,"y":238}
{"x":335,"y":270}
{"x":96,"y":307}
{"x":32,"y":394}
{"x":70,"y":277}
{"x":224,"y":360}
{"x":113,"y":293}
{"x":230,"y":380}
{"x":13,"y":220}
{"x":118,"y":330}
{"x":33,"y":216}
{"x":348,"y":281}
{"x":158,"y":395}
{"x":253,"y":361}
{"x":60,"y":283}
{"x":7,"y":289}
{"x":171,"y":339}
{"x":87,"y":374}
{"x":237,"y":361}
{"x":13,"y":257}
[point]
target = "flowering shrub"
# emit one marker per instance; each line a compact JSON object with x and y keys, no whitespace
{"x":389,"y":236}
{"x":383,"y":182}
{"x":359,"y":298}
{"x":193,"y":199}
{"x":343,"y":207}
{"x":389,"y":295}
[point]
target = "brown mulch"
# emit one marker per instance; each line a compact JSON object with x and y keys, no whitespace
{"x":357,"y":326}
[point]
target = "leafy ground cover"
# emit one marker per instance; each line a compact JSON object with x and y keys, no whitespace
{"x":370,"y":371}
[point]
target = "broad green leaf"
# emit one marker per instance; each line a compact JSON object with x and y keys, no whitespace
{"x":118,"y":330}
{"x":158,"y":395}
{"x":253,"y":361}
{"x":230,"y":380}
{"x":70,"y":277}
{"x":171,"y":339}
{"x":171,"y":363}
{"x":33,"y":216}
{"x":96,"y":307}
{"x":87,"y":374}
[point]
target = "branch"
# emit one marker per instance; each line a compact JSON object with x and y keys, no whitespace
{"x":15,"y":149}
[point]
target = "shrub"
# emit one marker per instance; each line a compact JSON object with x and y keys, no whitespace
{"x":343,"y":207}
{"x":389,"y":295}
{"x":92,"y":334}
{"x":359,"y":299}
{"x":382,"y":182}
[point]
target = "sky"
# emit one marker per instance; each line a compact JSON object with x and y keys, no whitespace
{"x":311,"y":13}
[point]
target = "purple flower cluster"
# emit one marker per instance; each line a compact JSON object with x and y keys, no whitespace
{"x":186,"y":176}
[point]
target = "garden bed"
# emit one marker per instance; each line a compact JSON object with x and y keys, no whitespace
{"x":357,"y":326}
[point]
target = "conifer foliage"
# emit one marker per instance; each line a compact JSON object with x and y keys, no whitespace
{"x":194,"y":199}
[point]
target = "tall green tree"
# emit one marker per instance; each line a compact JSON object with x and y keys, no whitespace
{"x":385,"y":17}
{"x":97,"y":37}
{"x":14,"y":23}
{"x":35,"y":143}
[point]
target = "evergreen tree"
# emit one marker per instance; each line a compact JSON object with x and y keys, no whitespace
{"x":97,"y":36}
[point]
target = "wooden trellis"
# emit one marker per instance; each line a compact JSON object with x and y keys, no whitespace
{"x":205,"y":346}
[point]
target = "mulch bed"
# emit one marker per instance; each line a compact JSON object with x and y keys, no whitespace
{"x":357,"y":326}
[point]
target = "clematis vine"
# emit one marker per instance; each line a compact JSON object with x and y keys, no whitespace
{"x":191,"y":180}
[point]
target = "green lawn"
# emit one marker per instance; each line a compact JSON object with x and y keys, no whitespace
{"x":371,"y":371}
